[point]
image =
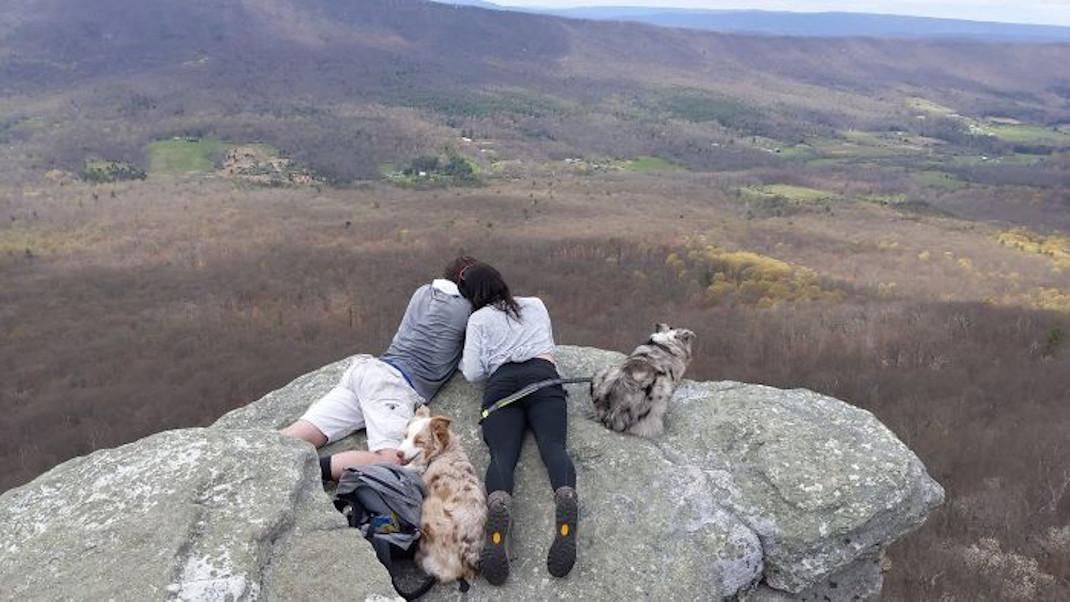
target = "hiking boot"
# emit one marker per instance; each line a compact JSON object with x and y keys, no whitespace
{"x":563,"y":550}
{"x":494,"y":559}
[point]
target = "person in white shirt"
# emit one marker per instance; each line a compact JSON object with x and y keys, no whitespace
{"x":509,"y":343}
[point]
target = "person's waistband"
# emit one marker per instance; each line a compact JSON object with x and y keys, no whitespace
{"x":534,"y":364}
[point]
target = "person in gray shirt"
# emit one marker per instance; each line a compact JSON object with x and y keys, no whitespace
{"x":382,"y":394}
{"x":510,"y":344}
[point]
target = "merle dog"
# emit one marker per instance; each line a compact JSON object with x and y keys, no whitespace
{"x":633,"y":397}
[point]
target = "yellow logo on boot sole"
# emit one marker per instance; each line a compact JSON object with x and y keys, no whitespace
{"x":564,"y":529}
{"x":496,"y":538}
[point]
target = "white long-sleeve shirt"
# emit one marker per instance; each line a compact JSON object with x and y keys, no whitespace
{"x":494,"y":338}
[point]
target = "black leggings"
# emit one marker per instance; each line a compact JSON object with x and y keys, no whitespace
{"x":543,"y":412}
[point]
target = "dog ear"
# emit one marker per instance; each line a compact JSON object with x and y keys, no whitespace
{"x":423,"y":412}
{"x":660,"y":327}
{"x":440,"y":429}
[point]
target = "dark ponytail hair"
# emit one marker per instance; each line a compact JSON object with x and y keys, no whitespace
{"x":483,"y":285}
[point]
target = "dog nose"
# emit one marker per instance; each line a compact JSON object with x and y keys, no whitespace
{"x":401,"y":455}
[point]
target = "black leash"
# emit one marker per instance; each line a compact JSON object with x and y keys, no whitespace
{"x":528,"y":390}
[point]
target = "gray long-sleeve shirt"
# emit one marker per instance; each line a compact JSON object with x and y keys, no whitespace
{"x":495,"y":338}
{"x":429,"y":341}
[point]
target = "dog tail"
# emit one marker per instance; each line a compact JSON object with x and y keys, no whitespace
{"x":640,"y":374}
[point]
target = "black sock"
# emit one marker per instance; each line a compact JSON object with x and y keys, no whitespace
{"x":325,"y":468}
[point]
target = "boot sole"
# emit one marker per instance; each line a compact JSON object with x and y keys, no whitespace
{"x":562,"y":554}
{"x":493,"y":560}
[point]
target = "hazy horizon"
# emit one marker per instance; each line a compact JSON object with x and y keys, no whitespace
{"x":1031,"y":12}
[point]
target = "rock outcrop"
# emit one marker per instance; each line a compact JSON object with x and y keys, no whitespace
{"x":194,"y":514}
{"x":753,"y":492}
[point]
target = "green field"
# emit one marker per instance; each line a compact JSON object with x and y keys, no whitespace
{"x":647,"y":163}
{"x":1009,"y":130}
{"x":1019,"y":159}
{"x":1026,"y":134}
{"x":797,"y":194}
{"x":927,"y":106}
{"x":183,"y":155}
{"x":900,"y":141}
{"x":780,"y":148}
{"x":871,"y":145}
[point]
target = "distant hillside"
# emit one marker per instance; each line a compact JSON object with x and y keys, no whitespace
{"x":478,"y":3}
{"x":828,"y":24}
{"x":347,"y":86}
{"x":327,"y":46}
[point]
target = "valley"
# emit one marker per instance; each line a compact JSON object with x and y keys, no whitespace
{"x":196,"y":209}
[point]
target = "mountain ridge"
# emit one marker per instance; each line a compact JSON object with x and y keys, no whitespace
{"x":275,"y":70}
{"x":807,"y":24}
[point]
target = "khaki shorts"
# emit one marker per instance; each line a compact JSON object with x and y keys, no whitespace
{"x":372,"y":395}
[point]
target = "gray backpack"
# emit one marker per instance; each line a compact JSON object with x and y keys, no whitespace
{"x":383,"y":501}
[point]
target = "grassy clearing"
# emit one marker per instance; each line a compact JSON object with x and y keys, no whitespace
{"x":1016,"y":159}
{"x":884,"y":199}
{"x":827,"y":162}
{"x":929,"y":107}
{"x":780,"y":148}
{"x":184,"y":155}
{"x":899,"y":141}
{"x":780,"y":200}
{"x":832,"y":148}
{"x":1009,"y":130}
{"x":857,"y":144}
{"x":798,"y":152}
{"x":645,"y":163}
{"x":1026,"y":134}
{"x":798,"y":194}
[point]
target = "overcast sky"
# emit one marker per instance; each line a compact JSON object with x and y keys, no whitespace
{"x":1048,"y":12}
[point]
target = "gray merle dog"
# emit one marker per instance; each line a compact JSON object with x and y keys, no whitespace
{"x":633,"y":397}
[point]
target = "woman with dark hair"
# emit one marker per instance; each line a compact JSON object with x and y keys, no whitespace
{"x":509,"y":342}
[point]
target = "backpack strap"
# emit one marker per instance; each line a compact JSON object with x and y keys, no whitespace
{"x":383,"y":553}
{"x":424,"y":587}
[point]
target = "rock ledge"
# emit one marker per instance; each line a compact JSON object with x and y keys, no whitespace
{"x":753,"y":493}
